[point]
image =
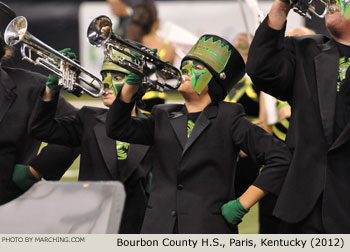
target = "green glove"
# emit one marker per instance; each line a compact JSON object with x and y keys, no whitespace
{"x":23,"y":178}
{"x":52,"y":82}
{"x":233,"y":211}
{"x":68,"y":53}
{"x":133,"y":79}
{"x":136,"y":54}
{"x":155,"y":51}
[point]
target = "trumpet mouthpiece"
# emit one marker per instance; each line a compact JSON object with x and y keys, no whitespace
{"x":331,"y":9}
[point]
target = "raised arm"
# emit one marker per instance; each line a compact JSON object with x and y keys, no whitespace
{"x":46,"y":127}
{"x":120,"y":125}
{"x":53,"y":160}
{"x":271,"y":58}
{"x":278,"y":14}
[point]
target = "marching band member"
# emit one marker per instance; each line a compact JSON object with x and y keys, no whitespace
{"x":197,"y":144}
{"x":102,"y":158}
{"x":311,"y":74}
{"x":18,"y":150}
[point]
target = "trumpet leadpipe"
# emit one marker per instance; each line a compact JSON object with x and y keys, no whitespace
{"x":49,"y":59}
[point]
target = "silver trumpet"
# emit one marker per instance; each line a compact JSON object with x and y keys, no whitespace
{"x":140,"y":60}
{"x":69,"y":72}
{"x":306,"y":8}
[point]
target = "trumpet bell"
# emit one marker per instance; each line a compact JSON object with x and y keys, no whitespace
{"x":15,"y":31}
{"x":306,"y":8}
{"x":99,"y":31}
{"x":138,"y":59}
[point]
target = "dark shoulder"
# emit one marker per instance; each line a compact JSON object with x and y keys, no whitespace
{"x":94,"y":111}
{"x":232,"y":108}
{"x":167,"y":108}
{"x":23,"y":75}
{"x":310,"y":39}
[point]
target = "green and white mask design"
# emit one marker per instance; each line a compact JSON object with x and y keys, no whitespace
{"x":113,"y":80}
{"x":199,"y":74}
{"x":114,"y":76}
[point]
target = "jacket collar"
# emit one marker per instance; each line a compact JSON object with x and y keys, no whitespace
{"x":326,"y":65}
{"x":178,"y":121}
{"x":107,"y":146}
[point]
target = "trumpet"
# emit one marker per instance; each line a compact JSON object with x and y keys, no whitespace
{"x":306,"y":8}
{"x":69,"y":72}
{"x":156,"y":74}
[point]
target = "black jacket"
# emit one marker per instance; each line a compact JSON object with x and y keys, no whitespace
{"x":193,"y":178}
{"x":98,"y":161}
{"x":304,"y":71}
{"x":19,"y":90}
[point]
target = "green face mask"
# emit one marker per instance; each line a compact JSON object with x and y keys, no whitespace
{"x":113,"y":80}
{"x":199,"y":74}
{"x":344,"y":6}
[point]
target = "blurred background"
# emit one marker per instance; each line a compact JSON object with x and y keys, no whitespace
{"x":63,"y":24}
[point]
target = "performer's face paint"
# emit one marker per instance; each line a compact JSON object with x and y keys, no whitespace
{"x":344,"y":7}
{"x":113,"y":80}
{"x":199,"y":74}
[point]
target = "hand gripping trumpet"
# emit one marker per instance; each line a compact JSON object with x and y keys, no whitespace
{"x":73,"y":77}
{"x":306,"y":8}
{"x":156,"y":74}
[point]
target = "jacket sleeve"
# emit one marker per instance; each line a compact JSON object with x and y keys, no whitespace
{"x":64,"y":108}
{"x":45,"y":126}
{"x":271,"y":62}
{"x":54,"y":160}
{"x":272,"y":154}
{"x":120,"y":125}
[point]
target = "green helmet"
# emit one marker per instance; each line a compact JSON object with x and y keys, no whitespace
{"x":222,"y":60}
{"x":114,"y":76}
{"x":110,"y":66}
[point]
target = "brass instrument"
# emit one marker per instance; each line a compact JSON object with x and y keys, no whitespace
{"x":156,"y":74}
{"x":306,"y":8}
{"x":69,"y":72}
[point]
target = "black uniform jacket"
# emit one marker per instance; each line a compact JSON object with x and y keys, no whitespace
{"x":19,"y":90}
{"x":304,"y":71}
{"x":98,"y":161}
{"x":193,"y":178}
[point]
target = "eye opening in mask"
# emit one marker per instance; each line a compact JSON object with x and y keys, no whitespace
{"x":117,"y":75}
{"x":199,"y":74}
{"x":196,"y":64}
{"x":120,"y":76}
{"x":113,"y":80}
